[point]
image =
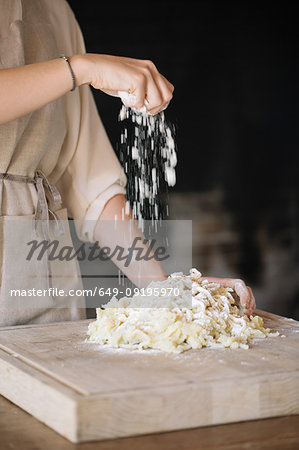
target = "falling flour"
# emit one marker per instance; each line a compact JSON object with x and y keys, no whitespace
{"x":148,"y":155}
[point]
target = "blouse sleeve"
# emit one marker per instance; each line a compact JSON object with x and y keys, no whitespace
{"x":92,"y":174}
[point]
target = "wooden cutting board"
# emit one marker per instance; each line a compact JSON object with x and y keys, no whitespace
{"x":86,"y":392}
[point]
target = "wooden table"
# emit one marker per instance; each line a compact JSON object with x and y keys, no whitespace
{"x":19,"y":430}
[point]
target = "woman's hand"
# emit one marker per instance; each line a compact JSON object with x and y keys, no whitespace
{"x":112,"y":74}
{"x":25,"y":89}
{"x":247,"y":300}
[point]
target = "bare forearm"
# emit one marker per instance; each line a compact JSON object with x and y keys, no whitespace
{"x":114,"y":228}
{"x":27,"y":88}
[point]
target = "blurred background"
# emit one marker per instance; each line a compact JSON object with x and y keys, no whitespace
{"x":234,"y":66}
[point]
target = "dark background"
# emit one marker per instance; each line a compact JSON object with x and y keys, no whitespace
{"x":234,"y":66}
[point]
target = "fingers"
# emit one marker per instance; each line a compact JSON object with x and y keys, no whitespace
{"x":139,"y":90}
{"x":161,"y":101}
{"x":246,"y":296}
{"x":151,"y":89}
{"x":252,"y":299}
{"x":153,"y":98}
{"x":243,"y":294}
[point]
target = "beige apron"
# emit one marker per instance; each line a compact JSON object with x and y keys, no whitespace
{"x":38,"y":290}
{"x":62,"y":144}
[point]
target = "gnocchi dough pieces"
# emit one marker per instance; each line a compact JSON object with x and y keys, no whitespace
{"x":196,"y":314}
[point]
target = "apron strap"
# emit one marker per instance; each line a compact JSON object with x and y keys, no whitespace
{"x":42,"y":209}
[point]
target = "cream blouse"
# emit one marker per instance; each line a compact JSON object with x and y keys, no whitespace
{"x":65,"y":139}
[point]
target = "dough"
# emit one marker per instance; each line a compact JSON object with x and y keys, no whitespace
{"x":196,"y":314}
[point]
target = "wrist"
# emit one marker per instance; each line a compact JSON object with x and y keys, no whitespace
{"x":81,"y":68}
